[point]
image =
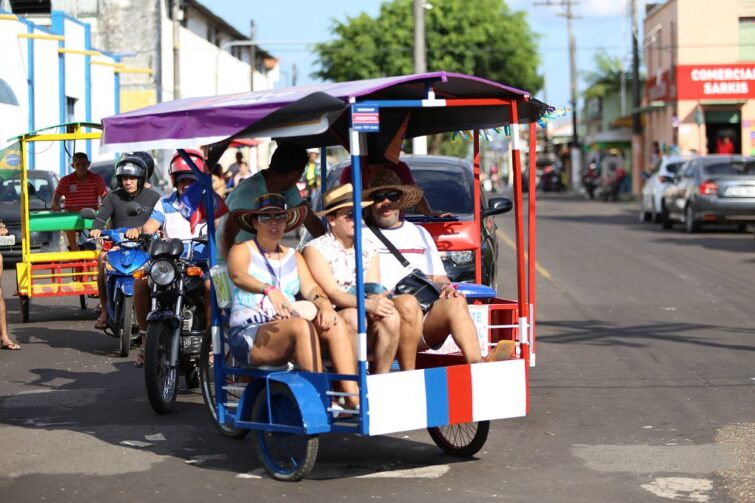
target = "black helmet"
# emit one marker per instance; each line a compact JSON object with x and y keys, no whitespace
{"x":148,"y":161}
{"x":131,"y":165}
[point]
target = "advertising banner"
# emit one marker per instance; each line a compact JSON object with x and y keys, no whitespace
{"x":734,"y":81}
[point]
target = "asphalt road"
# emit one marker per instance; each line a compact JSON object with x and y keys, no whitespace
{"x":644,"y":391}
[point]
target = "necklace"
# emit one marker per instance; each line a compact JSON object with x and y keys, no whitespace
{"x":275,"y":277}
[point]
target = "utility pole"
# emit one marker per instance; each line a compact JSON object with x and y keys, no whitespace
{"x":252,"y":52}
{"x":419,"y":144}
{"x":637,"y":164}
{"x":177,"y":15}
{"x":576,"y":152}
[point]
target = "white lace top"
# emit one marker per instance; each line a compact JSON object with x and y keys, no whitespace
{"x":342,"y":261}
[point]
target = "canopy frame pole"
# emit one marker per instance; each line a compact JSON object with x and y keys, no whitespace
{"x":521,"y":281}
{"x":358,"y":148}
{"x":216,"y":327}
{"x":531,"y":241}
{"x":475,"y":200}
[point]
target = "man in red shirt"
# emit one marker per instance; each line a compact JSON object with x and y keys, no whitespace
{"x":81,"y":189}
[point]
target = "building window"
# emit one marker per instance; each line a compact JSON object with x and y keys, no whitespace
{"x":70,"y":109}
{"x":747,"y":38}
{"x":7,"y":96}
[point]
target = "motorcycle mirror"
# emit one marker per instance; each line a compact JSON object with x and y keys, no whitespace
{"x":88,"y":214}
{"x":134,"y":209}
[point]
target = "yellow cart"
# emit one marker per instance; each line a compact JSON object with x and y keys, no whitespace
{"x":54,"y":274}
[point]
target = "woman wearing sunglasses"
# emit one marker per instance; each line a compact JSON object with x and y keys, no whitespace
{"x":268,"y":327}
{"x":331,"y":259}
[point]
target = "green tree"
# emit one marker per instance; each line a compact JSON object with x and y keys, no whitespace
{"x":483,"y":38}
{"x":606,"y":78}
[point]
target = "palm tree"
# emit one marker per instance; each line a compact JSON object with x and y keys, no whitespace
{"x":607,"y":77}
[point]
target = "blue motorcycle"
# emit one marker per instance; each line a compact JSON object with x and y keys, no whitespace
{"x":120,"y":264}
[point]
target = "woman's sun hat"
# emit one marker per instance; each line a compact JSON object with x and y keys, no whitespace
{"x":387,"y":179}
{"x":339,"y":197}
{"x":272,"y":204}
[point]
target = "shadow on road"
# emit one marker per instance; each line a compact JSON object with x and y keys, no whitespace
{"x":598,"y":332}
{"x":113,"y":408}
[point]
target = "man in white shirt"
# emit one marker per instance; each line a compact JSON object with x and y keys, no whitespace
{"x":449,"y":314}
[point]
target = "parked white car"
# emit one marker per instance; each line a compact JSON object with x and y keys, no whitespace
{"x":652,"y":191}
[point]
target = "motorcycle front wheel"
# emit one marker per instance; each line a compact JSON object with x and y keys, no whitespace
{"x":160,"y":379}
{"x":126,"y":324}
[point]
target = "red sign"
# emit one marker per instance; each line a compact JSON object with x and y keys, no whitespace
{"x":712,"y":82}
{"x":658,"y":88}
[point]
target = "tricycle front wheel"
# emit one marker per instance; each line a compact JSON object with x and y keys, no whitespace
{"x":285,"y":456}
{"x":463,"y":440}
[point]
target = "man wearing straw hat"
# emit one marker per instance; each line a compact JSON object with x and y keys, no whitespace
{"x":331,"y":259}
{"x":447,"y":315}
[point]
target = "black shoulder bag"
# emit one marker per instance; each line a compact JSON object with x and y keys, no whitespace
{"x":416,"y":282}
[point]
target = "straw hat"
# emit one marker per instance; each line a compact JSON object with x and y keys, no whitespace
{"x":270,"y":203}
{"x":339,"y":197}
{"x":387,"y":179}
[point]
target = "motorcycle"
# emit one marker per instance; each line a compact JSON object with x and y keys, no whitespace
{"x":550,"y":180}
{"x":120,"y":264}
{"x":177,"y":320}
{"x":591,"y":181}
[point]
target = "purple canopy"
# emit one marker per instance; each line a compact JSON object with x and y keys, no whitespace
{"x":313,"y":115}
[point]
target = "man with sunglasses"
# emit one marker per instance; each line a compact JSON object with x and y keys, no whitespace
{"x":331,"y":259}
{"x":449,"y":314}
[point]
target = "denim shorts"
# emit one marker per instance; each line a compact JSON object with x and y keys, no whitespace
{"x":241,"y":342}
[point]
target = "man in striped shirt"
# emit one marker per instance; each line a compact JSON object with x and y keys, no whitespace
{"x":81,"y":189}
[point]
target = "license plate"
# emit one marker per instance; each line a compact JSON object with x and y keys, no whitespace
{"x":741,"y":191}
{"x":8,"y":240}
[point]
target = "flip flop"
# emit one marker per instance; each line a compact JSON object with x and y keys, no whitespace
{"x":139,"y":360}
{"x":11,"y":346}
{"x":101,"y":324}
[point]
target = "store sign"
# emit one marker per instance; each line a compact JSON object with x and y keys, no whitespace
{"x":701,"y":82}
{"x":658,"y":88}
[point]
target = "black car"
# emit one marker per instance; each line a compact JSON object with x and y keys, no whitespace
{"x":105,"y":169}
{"x":42,"y":186}
{"x":447,"y":183}
{"x":711,"y":189}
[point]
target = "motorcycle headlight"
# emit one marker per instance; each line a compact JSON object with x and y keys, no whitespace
{"x":461,"y":257}
{"x":162,"y":273}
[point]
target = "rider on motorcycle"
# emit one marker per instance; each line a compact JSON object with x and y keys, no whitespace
{"x":131,"y":175}
{"x":167,"y":217}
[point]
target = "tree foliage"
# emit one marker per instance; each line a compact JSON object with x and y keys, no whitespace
{"x":483,"y":38}
{"x":607,"y":76}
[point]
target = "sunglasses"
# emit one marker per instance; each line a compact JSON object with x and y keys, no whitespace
{"x":348,"y":216}
{"x":391,"y":195}
{"x":266,"y":218}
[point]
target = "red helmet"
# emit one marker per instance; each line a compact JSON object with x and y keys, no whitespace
{"x":180,"y":169}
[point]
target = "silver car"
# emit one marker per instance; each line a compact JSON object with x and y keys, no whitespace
{"x":652,"y":191}
{"x":711,"y":189}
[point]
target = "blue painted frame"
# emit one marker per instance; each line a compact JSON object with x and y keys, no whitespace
{"x":58,"y":27}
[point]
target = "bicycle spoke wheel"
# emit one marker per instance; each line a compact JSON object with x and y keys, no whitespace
{"x":464,"y":440}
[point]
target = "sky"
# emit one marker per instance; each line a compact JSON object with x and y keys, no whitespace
{"x":601,"y":24}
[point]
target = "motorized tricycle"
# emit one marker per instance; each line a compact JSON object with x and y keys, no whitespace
{"x":287,"y":409}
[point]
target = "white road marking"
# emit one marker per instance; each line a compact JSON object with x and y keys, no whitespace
{"x":425,"y":472}
{"x":680,"y":488}
{"x":135,"y":443}
{"x":157,"y":437}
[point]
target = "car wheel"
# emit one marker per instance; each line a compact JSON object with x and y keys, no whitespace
{"x":655,"y":216}
{"x":666,"y":222}
{"x":644,"y":215}
{"x":690,"y":224}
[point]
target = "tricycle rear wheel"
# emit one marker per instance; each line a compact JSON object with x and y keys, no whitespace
{"x":285,"y":456}
{"x":463,"y":440}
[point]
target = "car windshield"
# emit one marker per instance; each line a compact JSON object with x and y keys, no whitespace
{"x":673,"y":167}
{"x":729,"y":167}
{"x":447,"y":187}
{"x":10,"y":187}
